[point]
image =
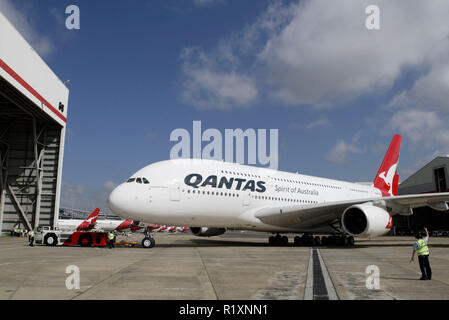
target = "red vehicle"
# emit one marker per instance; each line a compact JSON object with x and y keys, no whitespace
{"x":55,"y":236}
{"x":87,"y":239}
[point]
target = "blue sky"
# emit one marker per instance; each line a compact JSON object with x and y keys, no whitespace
{"x":336,"y":91}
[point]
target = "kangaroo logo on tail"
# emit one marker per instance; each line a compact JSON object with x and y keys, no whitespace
{"x":387,"y":179}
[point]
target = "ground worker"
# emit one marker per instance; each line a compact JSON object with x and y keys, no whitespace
{"x":31,"y":238}
{"x":422,"y":250}
{"x":111,"y":237}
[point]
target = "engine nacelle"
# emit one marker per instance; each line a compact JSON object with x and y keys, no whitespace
{"x":366,"y":220}
{"x":207,"y":232}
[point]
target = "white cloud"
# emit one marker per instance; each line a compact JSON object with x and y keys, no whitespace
{"x":208,"y":87}
{"x":339,"y":152}
{"x":319,"y":53}
{"x":321,"y":122}
{"x":431,"y":89}
{"x":327,"y":54}
{"x":19,"y":17}
{"x":423,"y":127}
{"x":110,"y":185}
{"x":219,"y":79}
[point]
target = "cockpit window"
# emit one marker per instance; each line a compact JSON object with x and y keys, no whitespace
{"x":145,"y":181}
{"x":138,"y":180}
{"x":131,"y":180}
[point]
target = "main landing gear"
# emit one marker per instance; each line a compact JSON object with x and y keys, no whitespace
{"x":310,"y":240}
{"x":278,"y":240}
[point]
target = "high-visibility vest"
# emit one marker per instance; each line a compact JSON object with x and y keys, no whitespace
{"x":421,"y":247}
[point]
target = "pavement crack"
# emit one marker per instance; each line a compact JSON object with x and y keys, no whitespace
{"x":207,"y":272}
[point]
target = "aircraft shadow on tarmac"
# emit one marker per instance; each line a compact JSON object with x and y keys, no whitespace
{"x":229,"y":243}
{"x":211,"y":243}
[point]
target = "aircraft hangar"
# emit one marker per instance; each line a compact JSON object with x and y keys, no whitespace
{"x":432,"y":177}
{"x":33,"y":115}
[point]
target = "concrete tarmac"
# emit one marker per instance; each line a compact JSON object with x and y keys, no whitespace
{"x":237,"y":265}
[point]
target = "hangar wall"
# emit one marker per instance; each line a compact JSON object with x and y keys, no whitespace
{"x":33,"y":111}
{"x":433,"y":177}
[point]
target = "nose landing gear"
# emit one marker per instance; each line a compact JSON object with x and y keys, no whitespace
{"x":148,"y":241}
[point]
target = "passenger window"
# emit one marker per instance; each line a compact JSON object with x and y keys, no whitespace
{"x":145,"y":181}
{"x":138,"y":180}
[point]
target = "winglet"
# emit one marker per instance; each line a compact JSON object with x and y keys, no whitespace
{"x":387,"y":178}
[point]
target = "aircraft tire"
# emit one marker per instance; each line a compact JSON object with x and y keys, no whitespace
{"x":305,"y":240}
{"x":310,"y":241}
{"x":284,"y":240}
{"x":324,"y":241}
{"x":297,"y":241}
{"x":148,"y":243}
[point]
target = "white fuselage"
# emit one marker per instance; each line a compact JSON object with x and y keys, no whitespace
{"x":105,"y":225}
{"x":186,"y":192}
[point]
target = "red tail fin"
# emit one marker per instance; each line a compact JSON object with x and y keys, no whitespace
{"x":93,"y":216}
{"x":89,"y":223}
{"x":387,"y":179}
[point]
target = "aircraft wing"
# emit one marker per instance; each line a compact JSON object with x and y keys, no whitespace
{"x":309,"y":216}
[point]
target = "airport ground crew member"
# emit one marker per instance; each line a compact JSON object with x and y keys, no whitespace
{"x":31,"y":238}
{"x":111,"y":240}
{"x":422,"y":250}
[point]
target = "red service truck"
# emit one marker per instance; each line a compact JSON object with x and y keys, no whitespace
{"x":54,"y":236}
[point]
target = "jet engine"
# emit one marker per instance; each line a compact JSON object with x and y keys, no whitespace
{"x":366,"y":220}
{"x":207,"y":232}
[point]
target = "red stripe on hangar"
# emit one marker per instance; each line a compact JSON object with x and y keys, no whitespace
{"x":24,"y":84}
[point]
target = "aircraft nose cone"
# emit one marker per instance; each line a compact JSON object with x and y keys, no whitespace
{"x":116,"y":200}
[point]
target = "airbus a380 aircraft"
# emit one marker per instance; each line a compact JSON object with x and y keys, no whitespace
{"x":210,"y":196}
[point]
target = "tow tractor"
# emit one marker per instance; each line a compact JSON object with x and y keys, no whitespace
{"x":54,"y":236}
